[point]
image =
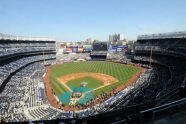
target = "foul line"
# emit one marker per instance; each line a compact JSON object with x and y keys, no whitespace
{"x":64,"y":84}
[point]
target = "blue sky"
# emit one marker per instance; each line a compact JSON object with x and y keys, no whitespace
{"x":69,"y":20}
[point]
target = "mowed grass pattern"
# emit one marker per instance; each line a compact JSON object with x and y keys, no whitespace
{"x":91,"y":82}
{"x":120,"y":71}
{"x":57,"y":87}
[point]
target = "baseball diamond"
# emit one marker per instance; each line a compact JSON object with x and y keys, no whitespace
{"x":90,"y":79}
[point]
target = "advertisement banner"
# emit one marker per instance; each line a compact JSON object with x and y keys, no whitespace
{"x":80,"y":49}
{"x":68,"y":49}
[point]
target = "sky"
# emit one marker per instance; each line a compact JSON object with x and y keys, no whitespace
{"x":77,"y":20}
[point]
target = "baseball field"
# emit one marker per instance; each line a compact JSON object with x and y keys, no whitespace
{"x":88,"y":78}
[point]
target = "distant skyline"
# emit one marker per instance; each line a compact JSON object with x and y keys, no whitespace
{"x":77,"y":20}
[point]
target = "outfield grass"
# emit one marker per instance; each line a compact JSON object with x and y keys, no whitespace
{"x":91,"y":82}
{"x":58,"y":87}
{"x":120,"y":71}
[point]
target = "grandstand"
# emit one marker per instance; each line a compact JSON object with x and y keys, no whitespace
{"x":18,"y":51}
{"x":18,"y":58}
{"x":171,"y":44}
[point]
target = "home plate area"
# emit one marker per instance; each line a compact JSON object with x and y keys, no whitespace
{"x":79,"y":94}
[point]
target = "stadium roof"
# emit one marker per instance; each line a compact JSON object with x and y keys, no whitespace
{"x":23,"y":38}
{"x":181,"y":34}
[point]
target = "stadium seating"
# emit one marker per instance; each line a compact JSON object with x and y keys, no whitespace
{"x":17,"y":56}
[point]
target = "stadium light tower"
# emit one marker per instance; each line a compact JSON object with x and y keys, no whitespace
{"x":150,"y":56}
{"x":43,"y":57}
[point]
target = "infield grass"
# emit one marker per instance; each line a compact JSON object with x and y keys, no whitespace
{"x":91,"y":82}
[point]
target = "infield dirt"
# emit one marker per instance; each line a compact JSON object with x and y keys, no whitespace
{"x":106,"y":79}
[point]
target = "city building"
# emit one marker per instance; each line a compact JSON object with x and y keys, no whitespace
{"x":117,"y":39}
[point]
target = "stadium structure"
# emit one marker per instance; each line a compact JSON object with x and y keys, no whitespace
{"x":77,"y":88}
{"x":99,"y":51}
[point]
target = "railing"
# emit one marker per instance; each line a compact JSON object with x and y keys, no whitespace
{"x":156,"y":113}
